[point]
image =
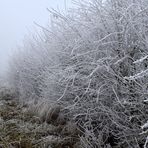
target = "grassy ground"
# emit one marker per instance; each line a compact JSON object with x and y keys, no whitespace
{"x":21,"y":129}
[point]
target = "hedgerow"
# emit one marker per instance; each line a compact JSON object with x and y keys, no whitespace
{"x":92,"y":62}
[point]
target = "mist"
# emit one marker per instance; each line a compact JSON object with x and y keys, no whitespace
{"x":17,"y":20}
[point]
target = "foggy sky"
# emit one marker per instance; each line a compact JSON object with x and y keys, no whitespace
{"x":16,"y":20}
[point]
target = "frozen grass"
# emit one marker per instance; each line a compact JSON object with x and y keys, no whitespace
{"x":20,"y":127}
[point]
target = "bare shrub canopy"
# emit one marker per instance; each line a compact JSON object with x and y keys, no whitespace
{"x":94,"y":63}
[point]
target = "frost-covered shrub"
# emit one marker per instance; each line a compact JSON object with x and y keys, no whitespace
{"x":94,"y":63}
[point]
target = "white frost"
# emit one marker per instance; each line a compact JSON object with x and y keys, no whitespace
{"x":140,"y":60}
{"x":145,"y":125}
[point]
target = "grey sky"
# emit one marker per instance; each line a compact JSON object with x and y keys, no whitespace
{"x":17,"y":17}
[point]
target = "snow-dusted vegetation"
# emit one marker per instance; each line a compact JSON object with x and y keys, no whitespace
{"x":93,"y":63}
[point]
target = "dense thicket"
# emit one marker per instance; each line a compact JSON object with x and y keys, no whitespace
{"x":93,"y":62}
